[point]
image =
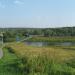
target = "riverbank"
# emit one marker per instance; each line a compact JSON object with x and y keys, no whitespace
{"x":45,"y":60}
{"x":20,"y":59}
{"x":52,"y":39}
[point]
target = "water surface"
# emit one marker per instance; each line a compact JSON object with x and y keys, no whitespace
{"x":40,"y":44}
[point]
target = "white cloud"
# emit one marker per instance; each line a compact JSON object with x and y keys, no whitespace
{"x":2,"y":5}
{"x":18,"y":2}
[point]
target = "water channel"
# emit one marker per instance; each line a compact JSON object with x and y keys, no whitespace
{"x":40,"y":44}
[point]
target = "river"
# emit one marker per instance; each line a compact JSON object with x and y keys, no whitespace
{"x":40,"y":44}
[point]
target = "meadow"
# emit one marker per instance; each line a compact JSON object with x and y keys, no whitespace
{"x":22,"y":59}
{"x":51,"y":60}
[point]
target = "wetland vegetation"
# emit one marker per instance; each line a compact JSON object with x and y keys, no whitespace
{"x":21,"y":58}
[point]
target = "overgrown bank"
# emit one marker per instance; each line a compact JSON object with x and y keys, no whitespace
{"x":25,"y":60}
{"x":52,"y":39}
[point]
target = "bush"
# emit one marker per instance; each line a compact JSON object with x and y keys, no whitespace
{"x":9,"y":49}
{"x":71,"y":63}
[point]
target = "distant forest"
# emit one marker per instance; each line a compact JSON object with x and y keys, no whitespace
{"x":12,"y":33}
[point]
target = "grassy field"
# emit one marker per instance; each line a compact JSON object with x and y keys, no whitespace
{"x":54,"y":52}
{"x":7,"y":64}
{"x":21,"y":59}
{"x":53,"y":60}
{"x":53,"y":39}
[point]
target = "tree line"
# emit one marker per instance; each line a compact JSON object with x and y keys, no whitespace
{"x":11,"y":33}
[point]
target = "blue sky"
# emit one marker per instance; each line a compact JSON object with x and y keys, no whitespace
{"x":37,"y":13}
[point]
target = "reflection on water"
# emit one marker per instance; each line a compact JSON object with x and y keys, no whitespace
{"x":40,"y":44}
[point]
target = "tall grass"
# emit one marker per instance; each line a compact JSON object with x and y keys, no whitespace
{"x":56,"y":53}
{"x":45,"y":66}
{"x":40,"y":60}
{"x":40,"y":65}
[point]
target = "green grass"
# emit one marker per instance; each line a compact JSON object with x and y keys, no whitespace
{"x":41,"y":60}
{"x":7,"y":60}
{"x":20,"y":59}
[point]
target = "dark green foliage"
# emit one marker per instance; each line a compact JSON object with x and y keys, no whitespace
{"x":71,"y":63}
{"x":10,"y":34}
{"x":10,"y":50}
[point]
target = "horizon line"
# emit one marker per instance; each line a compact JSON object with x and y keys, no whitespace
{"x":38,"y":27}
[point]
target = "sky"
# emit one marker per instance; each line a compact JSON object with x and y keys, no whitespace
{"x":37,"y":13}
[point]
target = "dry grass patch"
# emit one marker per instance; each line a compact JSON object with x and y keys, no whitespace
{"x":56,"y":53}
